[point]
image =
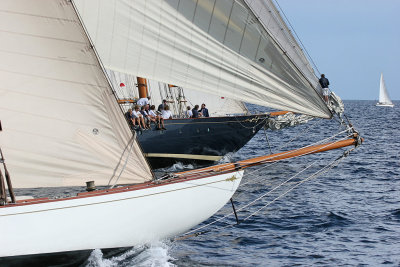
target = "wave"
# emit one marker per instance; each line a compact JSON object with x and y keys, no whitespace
{"x":156,"y":254}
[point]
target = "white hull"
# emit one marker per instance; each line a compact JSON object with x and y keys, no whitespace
{"x":384,"y":105}
{"x":114,"y":220}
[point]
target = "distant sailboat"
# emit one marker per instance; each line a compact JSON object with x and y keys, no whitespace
{"x":384,"y":99}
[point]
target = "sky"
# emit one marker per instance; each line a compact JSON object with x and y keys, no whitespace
{"x":351,"y":42}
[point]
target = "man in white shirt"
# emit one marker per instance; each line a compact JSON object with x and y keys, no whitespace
{"x":188,"y":112}
{"x":166,"y":113}
{"x":139,"y":118}
{"x":157,"y":118}
{"x":143,"y":101}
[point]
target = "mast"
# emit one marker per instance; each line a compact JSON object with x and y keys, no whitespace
{"x":142,"y":87}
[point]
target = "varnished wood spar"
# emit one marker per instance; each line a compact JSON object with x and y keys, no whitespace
{"x":142,"y":87}
{"x":124,"y":101}
{"x":271,"y":158}
{"x":277,"y":113}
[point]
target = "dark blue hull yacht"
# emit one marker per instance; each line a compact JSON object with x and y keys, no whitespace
{"x":198,"y":140}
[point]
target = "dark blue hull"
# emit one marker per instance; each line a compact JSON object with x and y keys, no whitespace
{"x":201,"y":140}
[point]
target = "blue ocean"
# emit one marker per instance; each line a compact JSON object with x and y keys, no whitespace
{"x":347,"y":216}
{"x":303,"y":211}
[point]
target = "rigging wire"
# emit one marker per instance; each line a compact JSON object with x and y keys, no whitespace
{"x":316,"y":174}
{"x":132,"y":141}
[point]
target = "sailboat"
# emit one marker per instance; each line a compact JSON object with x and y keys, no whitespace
{"x":384,"y":99}
{"x":201,"y":140}
{"x":61,"y":126}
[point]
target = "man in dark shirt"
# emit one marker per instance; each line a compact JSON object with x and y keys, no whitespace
{"x":162,"y":105}
{"x":324,"y":82}
{"x":204,"y":110}
{"x":130,"y":119}
{"x":195,"y":111}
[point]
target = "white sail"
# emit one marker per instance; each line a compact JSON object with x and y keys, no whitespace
{"x":218,"y":47}
{"x":383,"y":94}
{"x":217,"y":105}
{"x":61,"y":124}
{"x":273,"y":23}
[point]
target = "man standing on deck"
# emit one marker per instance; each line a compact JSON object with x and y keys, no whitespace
{"x":143,"y":101}
{"x":324,"y":82}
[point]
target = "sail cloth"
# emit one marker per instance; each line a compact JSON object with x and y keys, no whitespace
{"x":61,"y":124}
{"x":383,"y":94}
{"x":273,"y":23}
{"x":215,"y":46}
{"x":217,"y":105}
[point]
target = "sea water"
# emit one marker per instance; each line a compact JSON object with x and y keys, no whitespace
{"x":348,"y":216}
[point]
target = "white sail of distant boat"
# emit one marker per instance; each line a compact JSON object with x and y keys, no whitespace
{"x":384,"y":99}
{"x":61,"y":124}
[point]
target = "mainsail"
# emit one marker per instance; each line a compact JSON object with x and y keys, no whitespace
{"x":383,"y":94}
{"x":61,"y":123}
{"x":215,"y":46}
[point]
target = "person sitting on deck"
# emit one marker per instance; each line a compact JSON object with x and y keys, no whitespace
{"x":204,"y":110}
{"x":143,"y":101}
{"x":130,"y":119}
{"x":166,"y":113}
{"x":162,"y":105}
{"x":156,"y":118}
{"x":139,"y":118}
{"x":188,"y":112}
{"x":195,"y":112}
{"x":145,"y":115}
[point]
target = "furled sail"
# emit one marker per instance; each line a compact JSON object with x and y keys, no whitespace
{"x":383,"y":94}
{"x":125,"y":87}
{"x":61,"y":123}
{"x":215,"y":46}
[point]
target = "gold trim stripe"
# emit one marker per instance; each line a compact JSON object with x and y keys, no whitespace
{"x":182,"y":156}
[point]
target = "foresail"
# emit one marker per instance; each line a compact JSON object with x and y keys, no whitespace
{"x":218,"y":47}
{"x":383,"y":94}
{"x":61,"y":125}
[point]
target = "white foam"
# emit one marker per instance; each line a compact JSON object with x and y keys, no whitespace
{"x":155,"y":255}
{"x":180,"y":166}
{"x":228,"y":158}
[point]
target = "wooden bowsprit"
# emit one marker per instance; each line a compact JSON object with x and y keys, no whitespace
{"x":227,"y":167}
{"x":356,"y":141}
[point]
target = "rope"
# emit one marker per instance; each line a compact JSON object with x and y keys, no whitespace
{"x":126,"y":162}
{"x":258,"y":123}
{"x":306,"y":130}
{"x":313,"y":176}
{"x":264,"y":195}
